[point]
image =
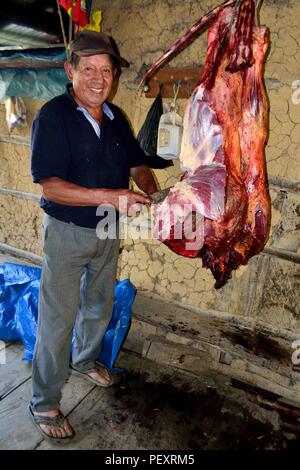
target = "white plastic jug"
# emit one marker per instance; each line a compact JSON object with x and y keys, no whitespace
{"x":169,"y":135}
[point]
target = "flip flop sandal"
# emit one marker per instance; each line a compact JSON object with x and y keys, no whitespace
{"x":58,"y":420}
{"x":90,"y":379}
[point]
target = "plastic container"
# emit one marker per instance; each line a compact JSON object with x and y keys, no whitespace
{"x":169,"y":135}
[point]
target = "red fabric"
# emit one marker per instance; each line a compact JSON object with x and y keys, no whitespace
{"x":77,"y":9}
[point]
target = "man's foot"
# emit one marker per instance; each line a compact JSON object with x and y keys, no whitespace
{"x":52,"y":424}
{"x":102,"y":376}
{"x":97,"y":375}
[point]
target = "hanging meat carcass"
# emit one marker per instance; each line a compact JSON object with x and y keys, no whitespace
{"x":253,"y":130}
{"x":220,"y":210}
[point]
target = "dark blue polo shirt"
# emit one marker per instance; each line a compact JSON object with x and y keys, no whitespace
{"x":64,"y":144}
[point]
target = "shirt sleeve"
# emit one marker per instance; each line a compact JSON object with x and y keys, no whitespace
{"x":136,"y":156}
{"x":50,"y":152}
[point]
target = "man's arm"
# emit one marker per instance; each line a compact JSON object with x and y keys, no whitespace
{"x":70,"y":194}
{"x":144,"y":179}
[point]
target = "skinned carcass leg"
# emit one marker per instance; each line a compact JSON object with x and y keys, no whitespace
{"x":253,"y":133}
{"x":253,"y":130}
{"x":221,"y":235}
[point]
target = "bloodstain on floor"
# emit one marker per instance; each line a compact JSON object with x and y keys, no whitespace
{"x":165,"y":417}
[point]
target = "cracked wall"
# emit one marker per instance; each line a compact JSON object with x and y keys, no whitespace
{"x":268,"y":288}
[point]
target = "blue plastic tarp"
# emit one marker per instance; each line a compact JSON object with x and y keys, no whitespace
{"x":37,"y":83}
{"x":19,"y":290}
{"x":40,"y":55}
{"x":40,"y":84}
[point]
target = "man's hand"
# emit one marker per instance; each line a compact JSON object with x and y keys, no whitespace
{"x":70,"y":194}
{"x":144,"y":179}
{"x":126,"y":201}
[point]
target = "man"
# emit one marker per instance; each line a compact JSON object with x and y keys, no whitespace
{"x":82,"y":153}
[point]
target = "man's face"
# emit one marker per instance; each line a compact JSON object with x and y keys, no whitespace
{"x":92,"y":79}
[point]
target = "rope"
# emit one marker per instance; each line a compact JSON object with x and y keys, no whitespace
{"x":70,"y":29}
{"x":258,"y":4}
{"x":176,"y":88}
{"x":62,"y":28}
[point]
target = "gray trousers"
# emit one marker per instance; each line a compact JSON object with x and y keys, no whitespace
{"x":77,"y":289}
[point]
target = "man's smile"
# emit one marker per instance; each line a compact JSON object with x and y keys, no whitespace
{"x":97,"y":90}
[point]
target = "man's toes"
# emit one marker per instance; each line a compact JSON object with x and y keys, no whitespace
{"x":60,"y":433}
{"x":57,"y":432}
{"x":106,"y":376}
{"x":103,"y":379}
{"x":68,"y":429}
{"x":47,"y":429}
{"x":54,"y":431}
{"x":69,"y":432}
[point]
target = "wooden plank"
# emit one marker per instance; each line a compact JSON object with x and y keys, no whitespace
{"x":203,"y":363}
{"x":284,"y":183}
{"x":137,"y":334}
{"x":4,"y":344}
{"x":6,"y":258}
{"x":283,"y":254}
{"x":179,"y":356}
{"x":20,"y":194}
{"x":261,"y":346}
{"x":204,"y":345}
{"x":93,"y":420}
{"x":11,"y":139}
{"x":23,"y":63}
{"x":19,"y":254}
{"x":263,"y":381}
{"x":15,"y":371}
{"x":17,"y":431}
{"x":188,"y":77}
{"x":138,"y":415}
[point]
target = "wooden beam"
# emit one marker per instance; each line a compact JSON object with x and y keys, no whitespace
{"x":20,"y":194}
{"x":29,"y":64}
{"x":11,"y":250}
{"x":283,"y":254}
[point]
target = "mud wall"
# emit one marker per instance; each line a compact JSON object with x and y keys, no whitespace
{"x":266,"y":289}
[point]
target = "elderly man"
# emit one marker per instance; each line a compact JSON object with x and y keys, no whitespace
{"x":83,"y":153}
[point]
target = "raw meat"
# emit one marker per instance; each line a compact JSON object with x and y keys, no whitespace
{"x":253,"y":130}
{"x":220,"y":209}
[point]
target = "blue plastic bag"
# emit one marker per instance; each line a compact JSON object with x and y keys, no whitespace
{"x":119,"y":324}
{"x":19,"y":292}
{"x":18,"y":286}
{"x":8,"y":330}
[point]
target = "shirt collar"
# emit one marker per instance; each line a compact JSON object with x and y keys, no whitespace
{"x":105,"y":107}
{"x":108,"y":111}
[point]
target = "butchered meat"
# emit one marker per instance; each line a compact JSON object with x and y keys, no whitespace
{"x":220,"y":210}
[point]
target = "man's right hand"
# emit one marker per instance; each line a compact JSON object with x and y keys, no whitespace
{"x":64,"y":192}
{"x":127,"y":201}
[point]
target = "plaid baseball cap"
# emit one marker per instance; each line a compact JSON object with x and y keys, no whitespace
{"x":88,"y":43}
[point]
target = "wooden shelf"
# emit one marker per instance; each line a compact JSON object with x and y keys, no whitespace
{"x":29,"y":64}
{"x":169,"y":77}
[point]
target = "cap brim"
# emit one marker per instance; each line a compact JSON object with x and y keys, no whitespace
{"x":87,"y":52}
